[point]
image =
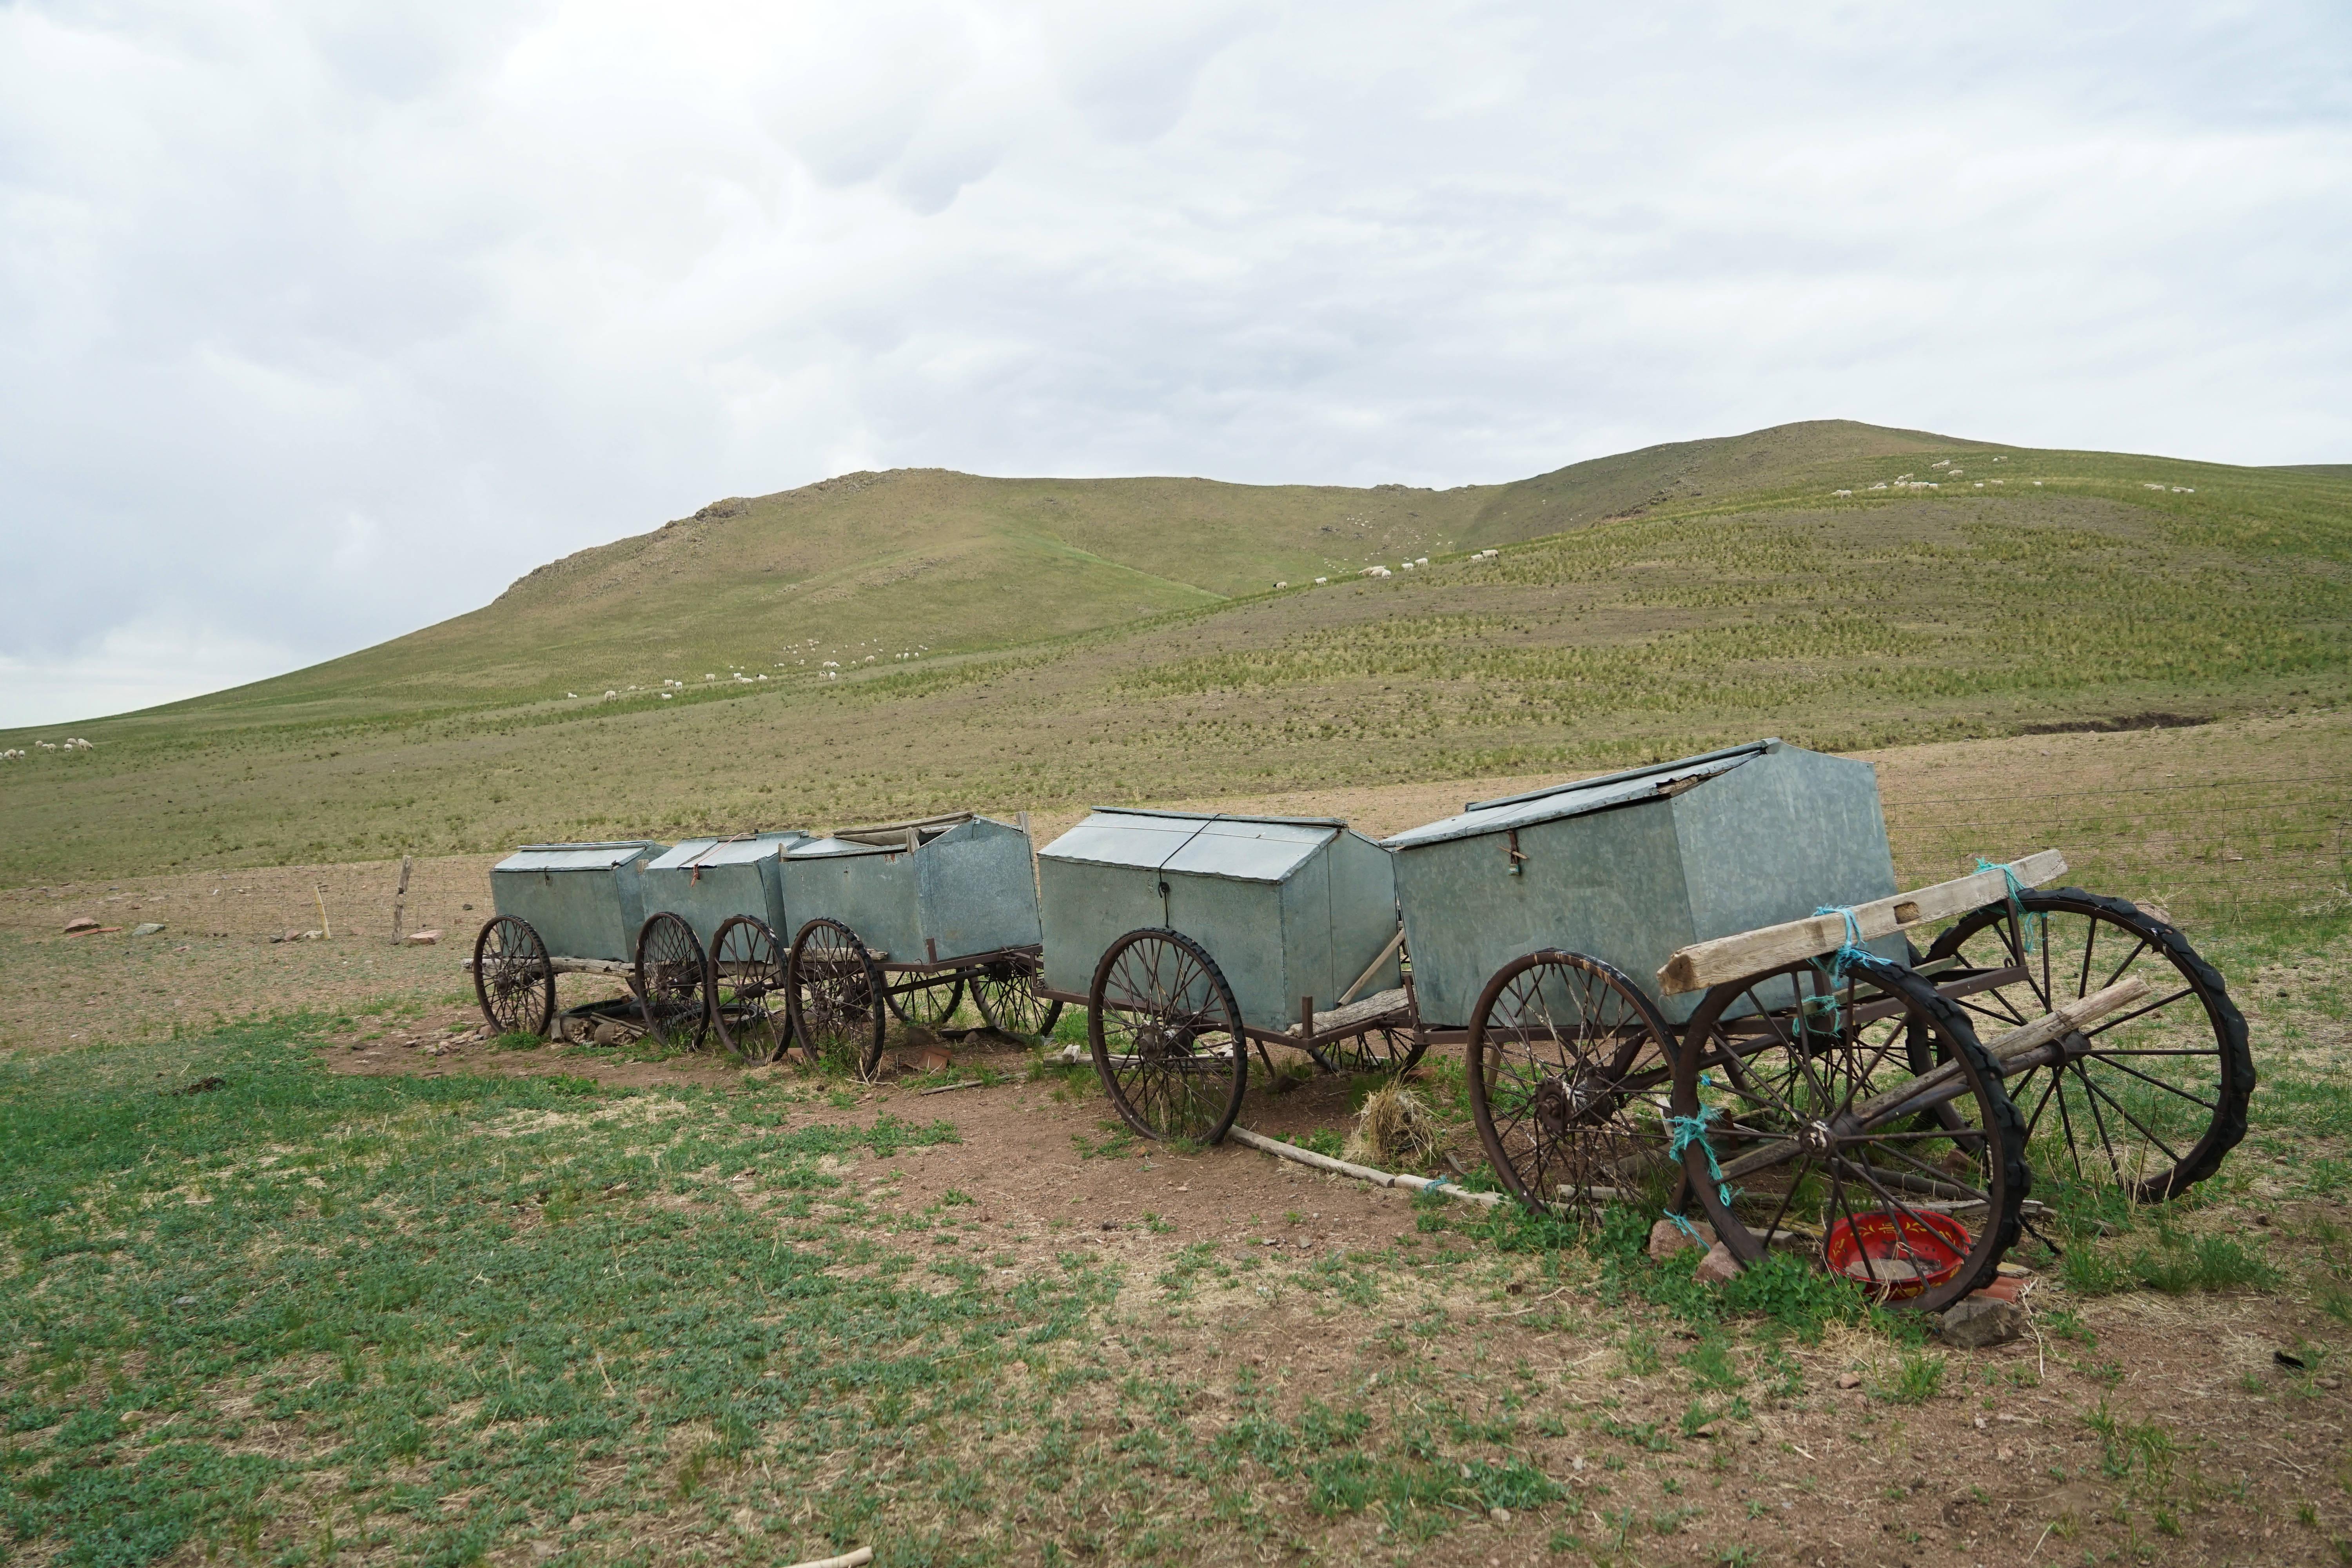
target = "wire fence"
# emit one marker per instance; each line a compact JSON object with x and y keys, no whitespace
{"x":2222,"y":848}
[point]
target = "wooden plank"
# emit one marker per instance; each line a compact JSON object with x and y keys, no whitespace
{"x":1372,"y":968}
{"x":1705,"y":963}
{"x":1372,"y":1009}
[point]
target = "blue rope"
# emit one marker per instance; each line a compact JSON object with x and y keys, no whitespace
{"x":1684,"y":1227}
{"x":1690,"y":1129}
{"x":2016,"y":909}
{"x":1850,"y":953}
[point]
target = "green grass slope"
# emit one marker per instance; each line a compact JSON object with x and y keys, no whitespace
{"x":1642,"y":605}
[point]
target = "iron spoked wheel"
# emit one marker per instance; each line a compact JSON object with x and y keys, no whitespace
{"x":1005,"y":992}
{"x":1167,"y":1037}
{"x":748,"y":1004}
{"x":1569,"y":1065}
{"x":927,"y":1003}
{"x":514,"y":980}
{"x":673,"y":982}
{"x":1384,"y":1050}
{"x":1810,"y":1130}
{"x":2160,"y":1095}
{"x":837,"y":1008}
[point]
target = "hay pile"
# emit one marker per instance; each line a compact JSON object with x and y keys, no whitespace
{"x":1395,"y":1129}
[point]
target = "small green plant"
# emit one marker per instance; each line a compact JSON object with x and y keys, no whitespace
{"x":1710,"y":1365}
{"x":1917,"y":1375}
{"x":1640,"y":1352}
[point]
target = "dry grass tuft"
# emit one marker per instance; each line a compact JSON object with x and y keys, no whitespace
{"x":1396,"y":1127}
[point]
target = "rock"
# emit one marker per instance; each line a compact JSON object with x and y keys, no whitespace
{"x":2003,"y":1288}
{"x":1981,"y":1321}
{"x":1668,"y":1239}
{"x":148,"y":928}
{"x":1849,"y":1380}
{"x":1719,"y":1266}
{"x":2016,"y":1272}
{"x":610,"y":1034}
{"x":184,"y":1300}
{"x":421,"y":938}
{"x":1499,"y":1515}
{"x":933,"y":1059}
{"x":81,"y":923}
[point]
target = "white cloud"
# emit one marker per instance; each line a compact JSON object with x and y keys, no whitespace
{"x":335,"y":321}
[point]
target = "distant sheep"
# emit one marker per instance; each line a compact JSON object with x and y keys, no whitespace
{"x":1841,"y":492}
{"x":2146,"y":484}
{"x":1282,"y":585}
{"x":1420,"y":560}
{"x":612,"y":695}
{"x":1322,"y":579}
{"x":1378,"y":572}
{"x":2184,"y":489}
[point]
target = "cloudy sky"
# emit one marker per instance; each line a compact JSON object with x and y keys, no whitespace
{"x":321,"y":321}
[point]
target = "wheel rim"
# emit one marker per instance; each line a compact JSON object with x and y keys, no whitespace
{"x":747,"y":966}
{"x":2161,"y":1097}
{"x":512,"y":978}
{"x":1005,"y":994}
{"x":835,"y":987}
{"x":1569,"y":1068}
{"x":673,"y":990}
{"x":1798,"y":1083}
{"x":1167,"y":1037}
{"x":928,"y":1003}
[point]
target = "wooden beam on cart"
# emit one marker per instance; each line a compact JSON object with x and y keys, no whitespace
{"x":1706,"y":963}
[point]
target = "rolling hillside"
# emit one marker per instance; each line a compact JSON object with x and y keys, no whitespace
{"x":1123,"y":640}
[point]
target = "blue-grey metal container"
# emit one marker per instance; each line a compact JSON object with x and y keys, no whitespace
{"x":709,"y":881}
{"x":1632,"y":866}
{"x":923,"y":893}
{"x":1288,"y":907}
{"x":585,"y":900}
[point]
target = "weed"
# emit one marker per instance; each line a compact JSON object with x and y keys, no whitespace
{"x":1917,"y":1375}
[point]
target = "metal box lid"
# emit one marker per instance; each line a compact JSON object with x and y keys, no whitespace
{"x":746,"y":851}
{"x":575,"y":856}
{"x":1238,"y":849}
{"x":1661,"y":780}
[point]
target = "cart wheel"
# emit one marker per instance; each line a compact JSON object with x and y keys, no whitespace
{"x":2161,"y":1096}
{"x":673,"y":982}
{"x":512,"y":978}
{"x":1375,"y":1050}
{"x":835,"y":989}
{"x":747,"y":976}
{"x":1799,"y":1117}
{"x":1005,"y":993}
{"x":926,"y":1004}
{"x":1569,"y":1065}
{"x":1167,"y":1037}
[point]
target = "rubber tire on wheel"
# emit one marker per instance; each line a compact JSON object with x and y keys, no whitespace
{"x":1156,"y":996}
{"x":673,"y":988}
{"x":747,"y":959}
{"x":1583,"y":1060}
{"x":1769,"y":1096}
{"x":2197,"y":1002}
{"x":514,"y":980}
{"x":836,"y":993}
{"x":1005,"y":990}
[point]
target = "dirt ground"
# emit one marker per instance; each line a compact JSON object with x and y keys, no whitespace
{"x":2220,"y":1453}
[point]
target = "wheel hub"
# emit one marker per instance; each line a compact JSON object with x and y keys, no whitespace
{"x":1816,"y":1138}
{"x":1555,"y":1106}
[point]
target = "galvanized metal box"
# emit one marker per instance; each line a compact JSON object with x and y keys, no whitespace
{"x":585,"y":900}
{"x":1632,"y":866}
{"x":1288,"y":907}
{"x":708,"y":881}
{"x":965,"y":887}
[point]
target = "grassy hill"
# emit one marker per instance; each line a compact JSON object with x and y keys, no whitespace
{"x":1011,"y":643}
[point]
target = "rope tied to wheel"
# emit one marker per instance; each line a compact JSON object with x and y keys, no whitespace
{"x":1685,"y":1130}
{"x":1850,"y":955}
{"x":1684,"y":1226}
{"x":2016,"y":902}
